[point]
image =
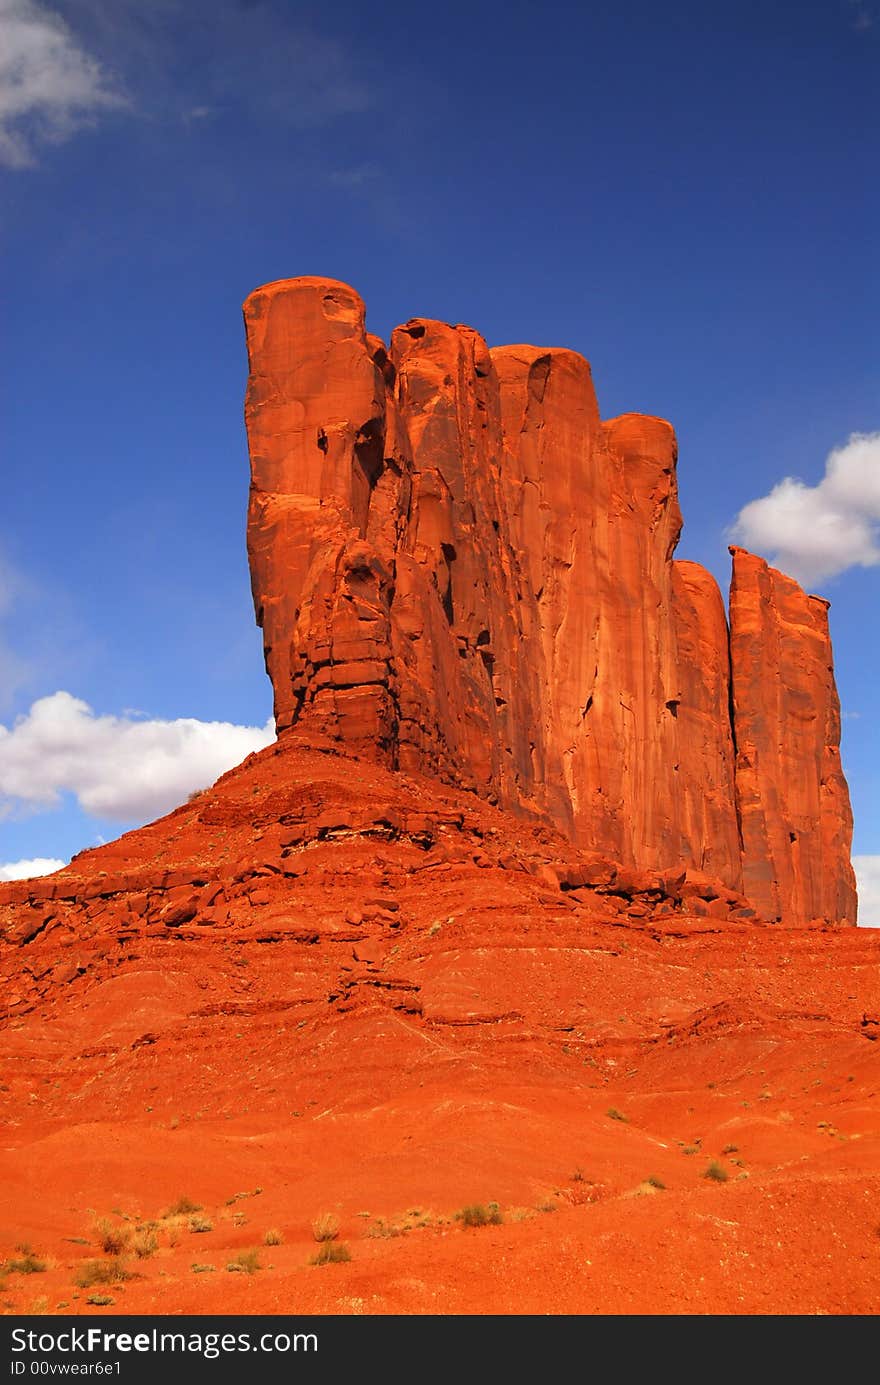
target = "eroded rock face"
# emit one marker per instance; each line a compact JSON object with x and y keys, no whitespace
{"x":705,"y":735}
{"x":460,"y":570}
{"x":315,"y":412}
{"x":792,"y":798}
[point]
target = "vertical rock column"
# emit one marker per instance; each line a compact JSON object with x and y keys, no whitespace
{"x":315,"y":415}
{"x":383,"y":575}
{"x":556,"y":495}
{"x":792,"y":798}
{"x":473,"y":649}
{"x":637,"y":652}
{"x":704,"y":768}
{"x":633,"y":665}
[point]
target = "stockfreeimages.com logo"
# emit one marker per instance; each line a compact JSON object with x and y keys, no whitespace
{"x":93,"y":1341}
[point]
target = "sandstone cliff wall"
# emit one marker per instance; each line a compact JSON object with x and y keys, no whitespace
{"x":792,"y":798}
{"x":460,"y":569}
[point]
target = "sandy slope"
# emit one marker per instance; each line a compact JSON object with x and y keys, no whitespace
{"x":394,"y":1012}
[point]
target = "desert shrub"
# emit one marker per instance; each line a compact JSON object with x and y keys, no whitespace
{"x":200,"y":1223}
{"x":613,"y":1114}
{"x":202,"y":1269}
{"x":730,"y":1149}
{"x":26,"y":1263}
{"x":479,"y":1214}
{"x":112,"y":1239}
{"x":273,"y":1237}
{"x":331,"y":1253}
{"x":183,"y":1207}
{"x":385,"y":1229}
{"x":654,"y":1182}
{"x":325,"y":1227}
{"x":101,"y":1300}
{"x":246,"y":1262}
{"x":113,"y":1270}
{"x":715,"y":1173}
{"x":144,"y":1243}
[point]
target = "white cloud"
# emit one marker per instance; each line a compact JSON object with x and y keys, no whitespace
{"x":867,"y":869}
{"x":26,"y":870}
{"x":816,"y":532}
{"x":130,"y":771}
{"x":50,"y":87}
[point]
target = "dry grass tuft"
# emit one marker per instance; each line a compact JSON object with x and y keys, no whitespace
{"x":325,"y":1227}
{"x":112,"y":1239}
{"x":113,"y":1270}
{"x":480,"y":1214}
{"x":331,"y":1253}
{"x":715,"y":1173}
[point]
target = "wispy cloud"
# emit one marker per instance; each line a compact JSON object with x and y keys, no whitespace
{"x":189,"y":60}
{"x":353,"y":178}
{"x":867,"y":869}
{"x":116,"y":767}
{"x":26,"y":870}
{"x":50,"y":86}
{"x":817,"y":532}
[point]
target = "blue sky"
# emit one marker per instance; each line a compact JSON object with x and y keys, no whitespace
{"x":686,"y":193}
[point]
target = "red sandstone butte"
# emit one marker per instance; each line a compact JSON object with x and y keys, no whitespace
{"x":462,"y":571}
{"x":792,"y":797}
{"x":336,"y":982}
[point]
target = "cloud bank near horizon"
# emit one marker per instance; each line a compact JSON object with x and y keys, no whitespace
{"x":124,"y":768}
{"x":27,"y":870}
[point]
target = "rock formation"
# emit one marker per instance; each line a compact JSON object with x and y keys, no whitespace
{"x":792,"y":798}
{"x":337,"y":980}
{"x":461,"y":570}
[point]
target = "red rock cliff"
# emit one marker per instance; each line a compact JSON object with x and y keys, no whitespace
{"x":705,"y":738}
{"x":460,"y":569}
{"x":791,"y":795}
